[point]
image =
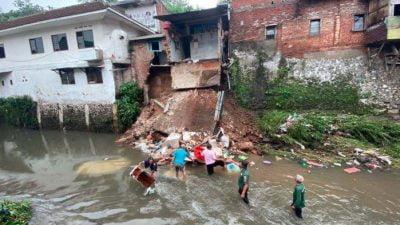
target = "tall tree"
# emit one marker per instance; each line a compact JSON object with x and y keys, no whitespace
{"x":178,"y":6}
{"x":24,"y":8}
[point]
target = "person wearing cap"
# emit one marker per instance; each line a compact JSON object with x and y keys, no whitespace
{"x":298,"y":196}
{"x":211,"y":160}
{"x":179,"y":160}
{"x":243,"y":181}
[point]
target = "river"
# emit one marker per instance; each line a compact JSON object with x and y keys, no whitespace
{"x":82,"y":178}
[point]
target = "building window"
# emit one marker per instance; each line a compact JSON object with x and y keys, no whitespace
{"x":358,"y":23}
{"x":85,"y":39}
{"x":154,"y":46}
{"x":270,"y":32}
{"x":94,"y":75}
{"x":2,"y":82}
{"x":315,"y":27}
{"x":60,"y":42}
{"x":2,"y":51}
{"x":36,"y":45}
{"x":11,"y":82}
{"x":396,"y":11}
{"x":67,"y":76}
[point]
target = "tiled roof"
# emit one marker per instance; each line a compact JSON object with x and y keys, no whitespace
{"x":54,"y":14}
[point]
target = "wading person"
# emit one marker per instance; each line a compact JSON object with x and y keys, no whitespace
{"x":211,"y":160}
{"x":151,"y":166}
{"x":178,"y":160}
{"x":298,"y":196}
{"x":244,"y":181}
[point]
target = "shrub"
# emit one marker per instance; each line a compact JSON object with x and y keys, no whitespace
{"x":271,"y":120}
{"x":13,"y":213}
{"x":293,"y":95}
{"x":240,"y":85}
{"x":19,"y":111}
{"x":381,"y":133}
{"x":311,"y":130}
{"x":128,"y":102}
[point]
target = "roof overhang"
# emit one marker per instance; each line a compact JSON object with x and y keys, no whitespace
{"x":147,"y":37}
{"x":128,"y":3}
{"x":76,"y":19}
{"x":205,"y":14}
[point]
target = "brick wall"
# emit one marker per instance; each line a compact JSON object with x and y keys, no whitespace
{"x":141,"y":59}
{"x":292,"y":17}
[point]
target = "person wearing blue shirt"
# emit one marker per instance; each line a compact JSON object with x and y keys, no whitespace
{"x":179,"y":161}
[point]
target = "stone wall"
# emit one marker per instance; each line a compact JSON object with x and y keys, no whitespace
{"x":379,"y":87}
{"x":89,"y":117}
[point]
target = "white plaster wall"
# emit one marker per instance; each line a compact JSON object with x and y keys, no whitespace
{"x":204,"y":46}
{"x":33,"y":75}
{"x":144,"y":15}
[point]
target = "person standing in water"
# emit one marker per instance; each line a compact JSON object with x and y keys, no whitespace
{"x":179,"y":161}
{"x":298,"y":197}
{"x":211,"y":160}
{"x":244,"y":181}
{"x":151,"y":166}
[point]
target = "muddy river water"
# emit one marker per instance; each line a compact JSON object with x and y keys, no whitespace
{"x":68,"y":181}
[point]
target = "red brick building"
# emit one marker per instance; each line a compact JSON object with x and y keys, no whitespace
{"x":297,"y":27}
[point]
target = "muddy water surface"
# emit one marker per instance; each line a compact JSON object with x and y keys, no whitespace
{"x":82,"y":178}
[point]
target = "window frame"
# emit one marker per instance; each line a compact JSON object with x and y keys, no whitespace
{"x":150,"y":46}
{"x":66,"y":42}
{"x":310,"y":27}
{"x":354,"y":22}
{"x":67,"y":73}
{"x":83,"y":36}
{"x":88,"y":73}
{"x":35,"y":41}
{"x":3,"y":55}
{"x":394,"y":9}
{"x":275,"y":28}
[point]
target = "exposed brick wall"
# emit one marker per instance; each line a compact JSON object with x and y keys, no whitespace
{"x":141,"y":59}
{"x":250,"y":17}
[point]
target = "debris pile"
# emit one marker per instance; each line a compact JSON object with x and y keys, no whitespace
{"x":187,"y":117}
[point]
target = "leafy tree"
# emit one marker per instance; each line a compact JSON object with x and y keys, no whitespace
{"x":223,"y":2}
{"x":178,"y":6}
{"x":24,"y":8}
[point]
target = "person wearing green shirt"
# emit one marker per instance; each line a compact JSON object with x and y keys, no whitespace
{"x":244,"y":181}
{"x":298,"y":196}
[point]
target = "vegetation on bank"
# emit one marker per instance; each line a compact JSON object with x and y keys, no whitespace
{"x":15,"y":213}
{"x":19,"y":112}
{"x":129,"y":100}
{"x":323,"y":117}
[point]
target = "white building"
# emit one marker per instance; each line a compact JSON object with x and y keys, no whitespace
{"x":67,"y":60}
{"x":144,"y":11}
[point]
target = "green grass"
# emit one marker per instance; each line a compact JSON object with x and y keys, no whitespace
{"x":15,"y":213}
{"x":271,"y":120}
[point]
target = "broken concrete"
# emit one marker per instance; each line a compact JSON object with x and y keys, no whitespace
{"x":196,"y":75}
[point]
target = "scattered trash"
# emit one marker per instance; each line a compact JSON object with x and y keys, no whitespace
{"x":278,"y":158}
{"x":355,"y":162}
{"x":337,"y":164}
{"x":252,"y":163}
{"x":341,"y":154}
{"x":267,"y":162}
{"x":303,"y":163}
{"x":242,"y":157}
{"x":358,"y":151}
{"x":352,"y":170}
{"x":372,"y":166}
{"x":385,"y":159}
{"x":231,"y":167}
{"x":315,"y":164}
